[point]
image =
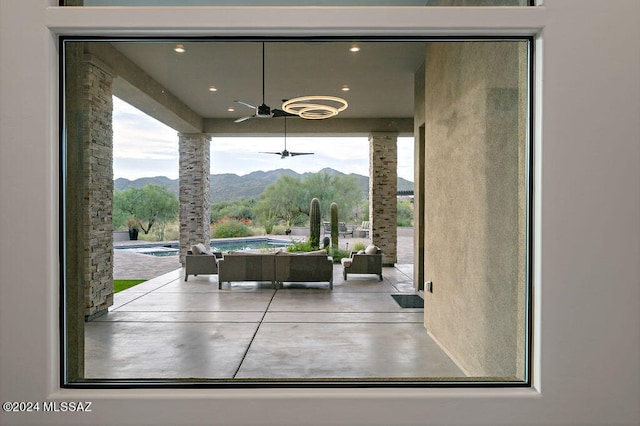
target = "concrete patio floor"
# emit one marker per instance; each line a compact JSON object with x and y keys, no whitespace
{"x":166,"y":328}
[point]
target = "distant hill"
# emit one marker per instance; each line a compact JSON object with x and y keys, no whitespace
{"x":229,"y":186}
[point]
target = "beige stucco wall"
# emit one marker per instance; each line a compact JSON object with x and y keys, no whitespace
{"x":475,"y":203}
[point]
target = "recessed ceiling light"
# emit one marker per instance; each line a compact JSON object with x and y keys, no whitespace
{"x":179,"y":48}
{"x":213,"y":89}
{"x":354,"y":48}
{"x":230,"y":109}
{"x":345,"y":88}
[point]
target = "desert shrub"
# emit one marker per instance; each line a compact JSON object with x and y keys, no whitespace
{"x":405,"y":213}
{"x":228,"y":228}
{"x":268,"y":225}
{"x":359,"y":246}
{"x":237,"y":209}
{"x":300,"y":246}
{"x":338,"y":254}
{"x":278,"y":230}
{"x":172,"y":231}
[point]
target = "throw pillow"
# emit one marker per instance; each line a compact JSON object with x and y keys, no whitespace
{"x":371,"y":249}
{"x":199,"y":249}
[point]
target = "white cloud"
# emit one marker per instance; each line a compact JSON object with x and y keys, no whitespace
{"x":136,"y":135}
{"x":143,"y":146}
{"x":244,"y":155}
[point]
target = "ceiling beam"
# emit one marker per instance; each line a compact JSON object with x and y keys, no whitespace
{"x":137,"y":88}
{"x":301,"y":127}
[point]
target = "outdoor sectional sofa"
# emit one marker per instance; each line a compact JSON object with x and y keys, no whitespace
{"x":304,"y":267}
{"x":277,"y":268}
{"x":247,"y":266}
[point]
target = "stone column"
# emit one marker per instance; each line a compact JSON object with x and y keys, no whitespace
{"x":194,"y":191}
{"x":97,"y":187}
{"x":383,"y":192}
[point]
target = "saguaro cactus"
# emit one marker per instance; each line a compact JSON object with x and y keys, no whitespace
{"x":314,"y":223}
{"x":334,"y":225}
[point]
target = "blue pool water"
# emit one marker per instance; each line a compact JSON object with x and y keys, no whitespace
{"x":224,"y":245}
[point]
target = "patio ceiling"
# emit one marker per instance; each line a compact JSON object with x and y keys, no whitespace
{"x":380,"y":78}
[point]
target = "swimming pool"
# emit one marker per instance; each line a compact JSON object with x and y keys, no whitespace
{"x":221,"y":245}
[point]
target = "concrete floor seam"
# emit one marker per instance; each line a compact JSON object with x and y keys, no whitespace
{"x":254,"y":334}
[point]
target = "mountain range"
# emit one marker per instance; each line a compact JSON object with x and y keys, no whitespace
{"x":229,"y":186}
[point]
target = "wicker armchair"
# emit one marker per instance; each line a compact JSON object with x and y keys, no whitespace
{"x":204,"y":264}
{"x":362,"y":263}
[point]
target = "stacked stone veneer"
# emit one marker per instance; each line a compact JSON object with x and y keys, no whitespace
{"x":194,"y":191}
{"x":97,"y":187}
{"x":383,"y":191}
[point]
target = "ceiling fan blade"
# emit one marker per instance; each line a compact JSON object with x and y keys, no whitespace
{"x":246,"y":104}
{"x":293,"y":154}
{"x":240,"y":120}
{"x":276,"y":153}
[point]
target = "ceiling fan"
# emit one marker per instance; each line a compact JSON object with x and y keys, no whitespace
{"x":262,"y":111}
{"x":284,"y":153}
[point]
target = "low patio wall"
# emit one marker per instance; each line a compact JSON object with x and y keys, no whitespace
{"x":120,"y":236}
{"x":300,"y":230}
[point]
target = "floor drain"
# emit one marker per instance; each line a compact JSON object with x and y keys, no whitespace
{"x":408,"y":300}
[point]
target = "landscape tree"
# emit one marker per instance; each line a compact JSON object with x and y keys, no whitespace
{"x":348,"y":195}
{"x":236,"y":209}
{"x":283,"y":200}
{"x":333,"y":188}
{"x":153,"y":204}
{"x":288,"y":198}
{"x":405,"y":213}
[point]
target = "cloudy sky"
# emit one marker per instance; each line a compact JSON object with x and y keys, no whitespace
{"x":144,"y":147}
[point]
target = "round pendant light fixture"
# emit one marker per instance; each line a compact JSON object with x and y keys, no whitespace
{"x":315,"y":107}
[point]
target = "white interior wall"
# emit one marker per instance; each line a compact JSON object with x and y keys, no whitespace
{"x":587,"y":233}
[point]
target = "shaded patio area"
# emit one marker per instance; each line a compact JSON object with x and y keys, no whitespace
{"x":169,"y":328}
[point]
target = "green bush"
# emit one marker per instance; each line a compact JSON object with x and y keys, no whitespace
{"x":338,"y":254}
{"x":229,"y":228}
{"x":405,"y":213}
{"x":238,"y":209}
{"x":359,"y":246}
{"x":305,"y":246}
{"x":278,"y":230}
{"x":298,"y":246}
{"x":268,"y":223}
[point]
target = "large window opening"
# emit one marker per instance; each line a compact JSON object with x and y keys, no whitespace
{"x":442,"y":130}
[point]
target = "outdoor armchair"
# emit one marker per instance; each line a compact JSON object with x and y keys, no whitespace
{"x":362,"y":231}
{"x":199,"y":260}
{"x":344,"y":230}
{"x":368,"y":261}
{"x":326,"y":227}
